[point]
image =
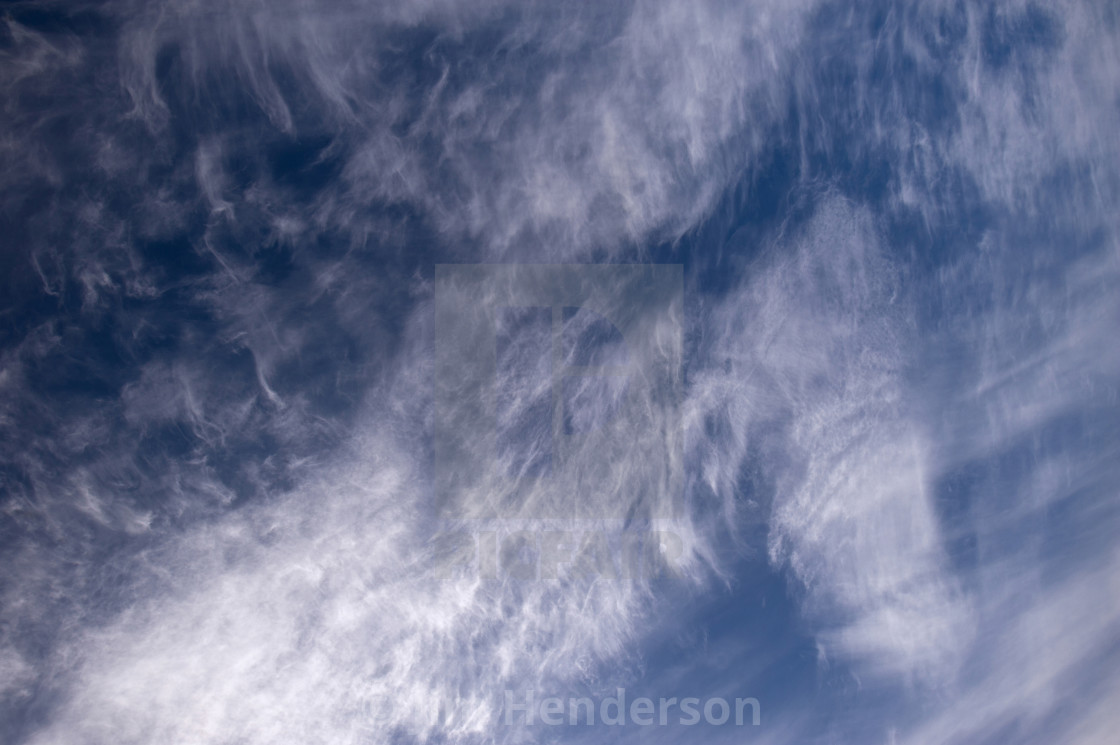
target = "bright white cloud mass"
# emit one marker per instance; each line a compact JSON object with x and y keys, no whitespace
{"x":821,"y":407}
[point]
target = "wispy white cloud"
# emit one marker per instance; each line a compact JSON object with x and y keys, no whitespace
{"x":815,"y":347}
{"x":221,"y":537}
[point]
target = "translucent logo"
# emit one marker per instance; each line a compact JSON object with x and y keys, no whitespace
{"x":557,"y":391}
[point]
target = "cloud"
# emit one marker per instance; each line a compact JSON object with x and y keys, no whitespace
{"x":814,"y":354}
{"x":585,"y":129}
{"x":216,"y":356}
{"x":324,"y":612}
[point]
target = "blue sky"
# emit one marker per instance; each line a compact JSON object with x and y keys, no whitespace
{"x":831,"y":346}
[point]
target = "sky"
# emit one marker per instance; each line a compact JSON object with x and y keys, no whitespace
{"x":371,"y":372}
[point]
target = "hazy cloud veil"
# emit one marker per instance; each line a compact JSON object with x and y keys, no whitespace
{"x":885,"y":441}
